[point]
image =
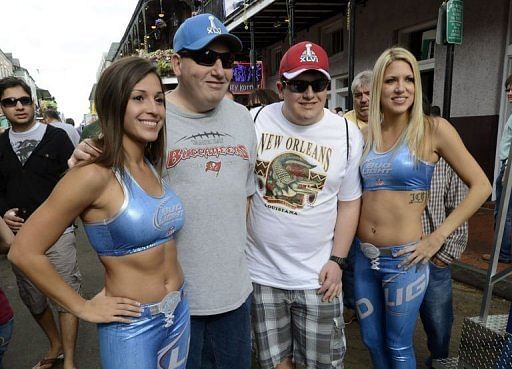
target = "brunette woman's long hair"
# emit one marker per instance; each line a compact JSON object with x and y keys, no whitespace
{"x":111,"y":98}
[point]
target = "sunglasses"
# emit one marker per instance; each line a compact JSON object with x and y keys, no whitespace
{"x":297,"y":85}
{"x":208,"y":57}
{"x":11,"y":102}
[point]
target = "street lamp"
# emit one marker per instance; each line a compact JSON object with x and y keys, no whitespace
{"x":161,"y":14}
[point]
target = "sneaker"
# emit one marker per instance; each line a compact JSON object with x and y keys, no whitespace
{"x":487,"y":257}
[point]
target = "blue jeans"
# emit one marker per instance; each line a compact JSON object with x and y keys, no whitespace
{"x":348,"y":277}
{"x":388,"y":300}
{"x":5,"y":337}
{"x":505,"y":245}
{"x":221,"y":341}
{"x":152,"y":341}
{"x":436,"y":312}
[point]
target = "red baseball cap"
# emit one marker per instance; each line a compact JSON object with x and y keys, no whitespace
{"x":304,"y":56}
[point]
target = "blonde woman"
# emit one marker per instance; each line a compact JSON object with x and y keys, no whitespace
{"x":391,"y":264}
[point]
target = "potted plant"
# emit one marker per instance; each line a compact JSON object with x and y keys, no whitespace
{"x":162,"y":60}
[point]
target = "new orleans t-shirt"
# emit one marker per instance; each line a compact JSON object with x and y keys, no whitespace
{"x":302,"y":173}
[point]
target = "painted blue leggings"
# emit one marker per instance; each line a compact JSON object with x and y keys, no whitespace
{"x":388,"y":300}
{"x":149,"y":342}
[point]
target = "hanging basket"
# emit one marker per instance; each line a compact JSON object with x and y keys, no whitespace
{"x":161,"y":59}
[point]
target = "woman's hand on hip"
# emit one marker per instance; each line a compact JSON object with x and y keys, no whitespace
{"x":420,"y":252}
{"x":107,"y":309}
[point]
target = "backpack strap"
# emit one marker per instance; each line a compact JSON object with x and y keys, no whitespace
{"x":258,"y":113}
{"x":346,"y":129}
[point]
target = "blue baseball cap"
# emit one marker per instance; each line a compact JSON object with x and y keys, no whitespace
{"x":200,"y":30}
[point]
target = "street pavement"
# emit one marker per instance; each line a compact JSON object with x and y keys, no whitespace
{"x":29,"y":344}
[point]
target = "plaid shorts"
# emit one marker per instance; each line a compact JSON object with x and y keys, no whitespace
{"x":297,"y":324}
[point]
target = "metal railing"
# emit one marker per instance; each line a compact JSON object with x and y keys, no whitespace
{"x":492,"y":275}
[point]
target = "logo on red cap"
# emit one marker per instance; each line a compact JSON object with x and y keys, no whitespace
{"x":308,"y":55}
{"x":304,"y":56}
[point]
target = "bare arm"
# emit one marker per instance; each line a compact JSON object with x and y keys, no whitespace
{"x":78,"y":190}
{"x":346,"y":225}
{"x":449,"y":146}
{"x":452,"y":149}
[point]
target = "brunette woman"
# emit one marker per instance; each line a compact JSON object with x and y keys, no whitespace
{"x":130,"y":216}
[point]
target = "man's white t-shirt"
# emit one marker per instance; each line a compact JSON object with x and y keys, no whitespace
{"x":302,"y":172}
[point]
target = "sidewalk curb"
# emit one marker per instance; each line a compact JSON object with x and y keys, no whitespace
{"x":476,"y":277}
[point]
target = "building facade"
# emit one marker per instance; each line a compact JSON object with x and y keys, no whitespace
{"x":6,"y":67}
{"x":481,"y":63}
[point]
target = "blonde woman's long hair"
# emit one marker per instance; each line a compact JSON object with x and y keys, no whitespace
{"x":414,"y":135}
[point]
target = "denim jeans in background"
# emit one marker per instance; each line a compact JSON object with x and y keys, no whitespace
{"x":221,"y":341}
{"x":388,"y":300}
{"x":5,"y":337}
{"x":436,"y":312}
{"x":348,"y":277}
{"x":505,"y":245}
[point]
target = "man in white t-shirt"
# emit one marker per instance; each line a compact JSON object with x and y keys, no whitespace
{"x":303,"y":217}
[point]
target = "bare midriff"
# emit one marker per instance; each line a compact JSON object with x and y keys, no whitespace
{"x":145,"y":276}
{"x":390,"y":218}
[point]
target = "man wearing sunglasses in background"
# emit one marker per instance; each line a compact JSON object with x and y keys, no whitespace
{"x":303,"y":217}
{"x":33,"y":158}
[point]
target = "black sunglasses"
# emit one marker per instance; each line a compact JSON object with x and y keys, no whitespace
{"x":11,"y":102}
{"x":298,"y":85}
{"x":208,"y":57}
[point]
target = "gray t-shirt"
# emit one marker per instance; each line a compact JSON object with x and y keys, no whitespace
{"x":210,"y":165}
{"x":70,"y":130}
{"x":24,"y":143}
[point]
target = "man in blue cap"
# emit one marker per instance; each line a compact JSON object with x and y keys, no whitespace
{"x":211,"y":146}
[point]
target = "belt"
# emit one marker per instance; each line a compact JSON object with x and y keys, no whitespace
{"x":372,"y":251}
{"x":167,"y":305}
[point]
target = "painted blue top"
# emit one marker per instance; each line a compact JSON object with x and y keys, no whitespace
{"x":143,"y":222}
{"x":395,"y":170}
